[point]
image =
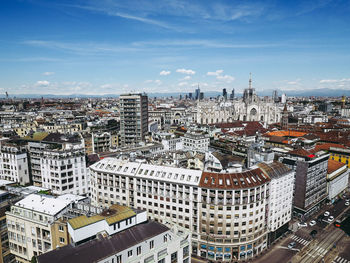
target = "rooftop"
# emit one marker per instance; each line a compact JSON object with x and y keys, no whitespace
{"x":99,"y":249}
{"x":246,"y":179}
{"x":334,"y":166}
{"x":114,"y":214}
{"x":286,"y":133}
{"x":44,"y":204}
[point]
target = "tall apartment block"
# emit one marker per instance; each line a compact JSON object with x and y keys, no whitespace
{"x":310,"y":188}
{"x":133,"y":118}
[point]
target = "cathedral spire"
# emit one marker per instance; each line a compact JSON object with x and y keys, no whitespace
{"x":250,"y":80}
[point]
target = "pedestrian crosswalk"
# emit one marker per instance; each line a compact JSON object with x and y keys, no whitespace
{"x":300,"y":240}
{"x":338,"y":259}
{"x":320,"y":250}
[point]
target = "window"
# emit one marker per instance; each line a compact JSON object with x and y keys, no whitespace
{"x":60,"y":228}
{"x":119,"y":259}
{"x":151,"y":244}
{"x":174,"y":257}
{"x":61,"y":240}
{"x":138,"y":250}
{"x":165,"y":238}
{"x":129,"y":253}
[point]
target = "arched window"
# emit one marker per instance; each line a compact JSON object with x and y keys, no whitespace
{"x":253,"y":112}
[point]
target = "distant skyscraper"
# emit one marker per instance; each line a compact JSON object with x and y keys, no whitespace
{"x":201,"y":96}
{"x":197,"y":93}
{"x":190,"y":95}
{"x":224,"y":94}
{"x":133,"y":118}
{"x":275,"y":96}
{"x":232,"y":96}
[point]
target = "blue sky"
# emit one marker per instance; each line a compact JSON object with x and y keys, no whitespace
{"x":111,"y":47}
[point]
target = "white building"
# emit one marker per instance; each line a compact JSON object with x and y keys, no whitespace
{"x":111,"y":221}
{"x":280,"y":201}
{"x":64,"y":171}
{"x":170,"y":141}
{"x":34,"y":225}
{"x":226,"y":212}
{"x":147,"y":242}
{"x":194,"y":141}
{"x":315,"y":118}
{"x":249,"y":108}
{"x":337,"y":179}
{"x":14,"y":165}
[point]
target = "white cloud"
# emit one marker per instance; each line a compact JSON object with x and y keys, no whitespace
{"x":48,"y":73}
{"x":157,"y":81}
{"x":219,"y":76}
{"x":186,"y":71}
{"x":42,"y":83}
{"x":164,"y":73}
{"x":186,"y":78}
{"x":215,"y":73}
{"x":226,"y":78}
{"x":334,"y":80}
{"x":181,"y":84}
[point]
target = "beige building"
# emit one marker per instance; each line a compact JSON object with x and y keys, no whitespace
{"x":35,"y":225}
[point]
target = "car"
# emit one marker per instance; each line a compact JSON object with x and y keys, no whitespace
{"x":337,"y":223}
{"x":326,"y":213}
{"x":347,"y":200}
{"x":291,"y":245}
{"x":330,"y":219}
{"x":302,"y":224}
{"x":347,"y":203}
{"x":312,"y":223}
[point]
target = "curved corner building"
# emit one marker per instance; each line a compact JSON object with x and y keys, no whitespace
{"x":230,"y":215}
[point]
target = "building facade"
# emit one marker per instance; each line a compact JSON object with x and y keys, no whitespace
{"x":249,"y":108}
{"x":226,"y":212}
{"x":337,"y":179}
{"x":64,"y":171}
{"x":193,"y":141}
{"x":133,"y":118}
{"x":34,"y":225}
{"x":147,"y":242}
{"x":14,"y":164}
{"x":310,"y":179}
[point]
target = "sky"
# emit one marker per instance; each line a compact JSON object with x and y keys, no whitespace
{"x":114,"y":46}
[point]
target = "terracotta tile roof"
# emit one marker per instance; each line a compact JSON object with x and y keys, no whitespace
{"x":286,"y":133}
{"x":247,"y":179}
{"x":326,"y":146}
{"x":304,"y":153}
{"x":334,"y":165}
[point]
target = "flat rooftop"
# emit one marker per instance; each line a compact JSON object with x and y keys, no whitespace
{"x":114,"y":214}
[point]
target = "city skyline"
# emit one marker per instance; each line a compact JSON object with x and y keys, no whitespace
{"x":112,"y":47}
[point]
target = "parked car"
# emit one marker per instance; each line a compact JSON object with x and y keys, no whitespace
{"x":302,"y":224}
{"x":312,"y":223}
{"x":347,"y":203}
{"x":326,"y":213}
{"x":337,"y":223}
{"x":291,"y":245}
{"x":331,"y":218}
